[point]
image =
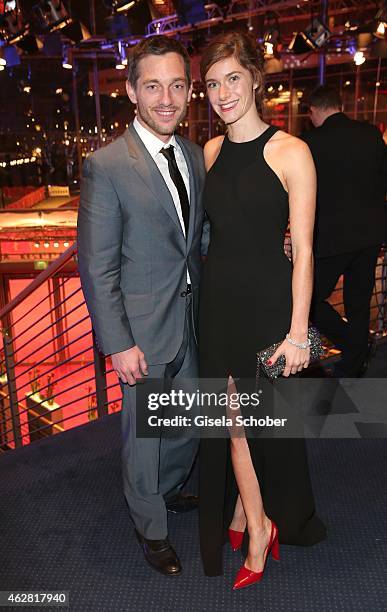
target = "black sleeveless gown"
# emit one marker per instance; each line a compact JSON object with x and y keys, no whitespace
{"x":245,"y":306}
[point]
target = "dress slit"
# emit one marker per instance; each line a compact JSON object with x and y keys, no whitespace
{"x":248,"y":210}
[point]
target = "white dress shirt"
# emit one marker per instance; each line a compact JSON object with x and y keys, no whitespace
{"x":153,"y":146}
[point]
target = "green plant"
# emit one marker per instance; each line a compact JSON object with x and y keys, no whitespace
{"x":35,"y":384}
{"x":50,"y":389}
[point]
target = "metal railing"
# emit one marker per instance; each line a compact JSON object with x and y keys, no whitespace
{"x":52,"y":376}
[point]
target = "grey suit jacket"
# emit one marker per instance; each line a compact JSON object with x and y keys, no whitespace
{"x":132,"y":253}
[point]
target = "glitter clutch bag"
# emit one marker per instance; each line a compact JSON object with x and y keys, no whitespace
{"x":275,"y":370}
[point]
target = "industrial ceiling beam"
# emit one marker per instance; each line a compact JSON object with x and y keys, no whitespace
{"x":245,"y":9}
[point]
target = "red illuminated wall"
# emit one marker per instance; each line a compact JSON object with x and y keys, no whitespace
{"x":36,"y":347}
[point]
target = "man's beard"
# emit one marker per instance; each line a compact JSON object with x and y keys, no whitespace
{"x":162,"y":130}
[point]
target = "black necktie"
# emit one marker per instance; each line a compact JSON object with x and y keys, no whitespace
{"x":174,"y":171}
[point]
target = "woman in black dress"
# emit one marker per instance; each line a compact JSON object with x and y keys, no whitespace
{"x":258,"y":179}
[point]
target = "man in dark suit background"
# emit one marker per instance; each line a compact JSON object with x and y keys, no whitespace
{"x":351,"y":223}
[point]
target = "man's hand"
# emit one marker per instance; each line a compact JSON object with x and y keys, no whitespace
{"x":130,"y":365}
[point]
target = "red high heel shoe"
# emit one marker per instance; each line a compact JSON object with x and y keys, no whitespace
{"x":245,"y":575}
{"x":236,"y":538}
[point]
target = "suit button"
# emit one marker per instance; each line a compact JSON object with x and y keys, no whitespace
{"x":183,"y":294}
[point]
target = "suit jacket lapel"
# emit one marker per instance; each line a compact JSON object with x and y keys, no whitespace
{"x":192,"y":188}
{"x":149,"y":173}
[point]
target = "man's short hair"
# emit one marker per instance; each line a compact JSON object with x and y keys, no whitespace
{"x":156,"y":45}
{"x":325,"y":96}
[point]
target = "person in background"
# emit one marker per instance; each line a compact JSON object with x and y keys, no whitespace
{"x":351,"y":224}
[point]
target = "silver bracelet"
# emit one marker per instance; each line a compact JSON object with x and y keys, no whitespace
{"x":301,"y":345}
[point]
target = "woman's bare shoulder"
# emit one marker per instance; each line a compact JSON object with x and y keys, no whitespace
{"x":287,"y":141}
{"x":211,"y":150}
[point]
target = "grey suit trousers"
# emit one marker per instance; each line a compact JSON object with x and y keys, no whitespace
{"x":155,"y":469}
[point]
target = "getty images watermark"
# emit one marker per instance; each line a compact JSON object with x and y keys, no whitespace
{"x":283,"y":408}
{"x":231,"y":402}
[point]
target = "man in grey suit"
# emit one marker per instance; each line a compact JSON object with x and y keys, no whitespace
{"x":140,"y":238}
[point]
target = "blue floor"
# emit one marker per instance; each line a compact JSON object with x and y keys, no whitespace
{"x":64,"y":524}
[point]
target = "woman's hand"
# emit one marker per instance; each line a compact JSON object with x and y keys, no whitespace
{"x":296,"y":358}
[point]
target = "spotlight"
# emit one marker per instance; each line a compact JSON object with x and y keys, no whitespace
{"x":268,"y":50}
{"x":15,"y":31}
{"x":122,"y":6}
{"x":312,"y":38}
{"x":359,"y":58}
{"x":67,"y":60}
{"x":271,"y":36}
{"x":376,"y":27}
{"x":272,"y":44}
{"x":127,"y":18}
{"x":52,"y":16}
{"x":121,"y":59}
{"x":300,"y":44}
{"x":380,"y":30}
{"x":381,"y":21}
{"x":3,"y":61}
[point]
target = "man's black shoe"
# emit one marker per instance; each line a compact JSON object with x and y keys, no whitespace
{"x":182,"y":503}
{"x":160,"y":555}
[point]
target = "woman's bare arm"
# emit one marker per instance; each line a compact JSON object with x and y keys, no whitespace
{"x":300,"y":176}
